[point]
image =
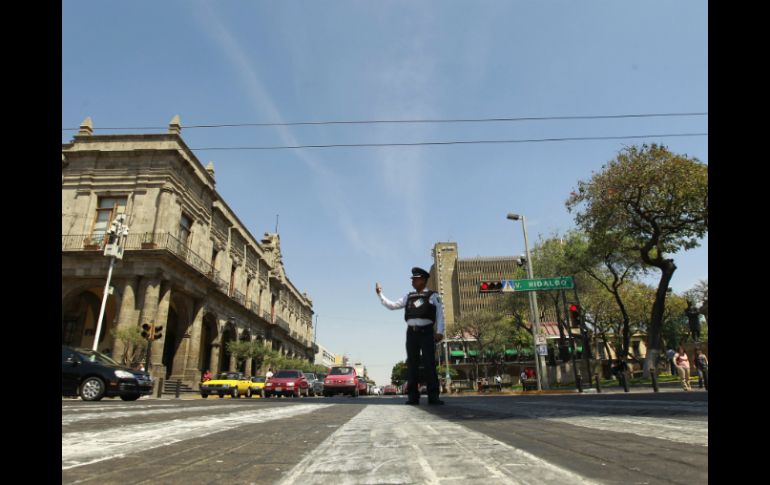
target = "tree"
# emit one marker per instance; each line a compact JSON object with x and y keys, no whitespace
{"x":650,"y":201}
{"x":699,"y":295}
{"x":399,"y":374}
{"x":133,"y":343}
{"x":240,"y":349}
{"x":485,"y":327}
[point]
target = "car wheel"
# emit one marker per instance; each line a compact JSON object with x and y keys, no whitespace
{"x":204,"y":396}
{"x":129,"y":397}
{"x":92,"y":389}
{"x":248,"y":392}
{"x":221,"y":396}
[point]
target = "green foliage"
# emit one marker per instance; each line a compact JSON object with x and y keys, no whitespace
{"x":646,"y":197}
{"x":646,"y":204}
{"x":134,"y":345}
{"x":398,"y":375}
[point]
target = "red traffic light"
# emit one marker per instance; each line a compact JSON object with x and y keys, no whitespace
{"x":490,"y":287}
{"x":573,"y":308}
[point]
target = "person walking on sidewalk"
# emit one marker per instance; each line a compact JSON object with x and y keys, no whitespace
{"x":670,"y":356}
{"x":424,"y":315}
{"x":683,"y":367}
{"x":702,"y":366}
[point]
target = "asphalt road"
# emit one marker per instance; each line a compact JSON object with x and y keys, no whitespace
{"x":634,"y":438}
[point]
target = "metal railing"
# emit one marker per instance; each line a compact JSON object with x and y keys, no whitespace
{"x":165,"y":242}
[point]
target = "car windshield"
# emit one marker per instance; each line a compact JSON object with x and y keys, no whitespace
{"x":341,"y":371}
{"x":258,"y":379}
{"x":286,"y":374}
{"x":229,"y":376}
{"x":93,"y":356}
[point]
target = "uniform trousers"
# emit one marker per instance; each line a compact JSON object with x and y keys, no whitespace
{"x":420,"y":341}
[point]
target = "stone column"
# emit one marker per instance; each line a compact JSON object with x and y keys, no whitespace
{"x":149,"y":290}
{"x":192,"y":370}
{"x":127,"y":318}
{"x":214,"y":364}
{"x":179,"y":362}
{"x":247,"y":369}
{"x":161,"y":318}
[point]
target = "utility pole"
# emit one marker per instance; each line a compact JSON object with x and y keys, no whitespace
{"x":113,"y":249}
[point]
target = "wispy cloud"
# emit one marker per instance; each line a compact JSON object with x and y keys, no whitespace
{"x":331,"y":191}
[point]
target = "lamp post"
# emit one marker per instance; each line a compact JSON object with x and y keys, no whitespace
{"x":117,"y":230}
{"x":532,"y":298}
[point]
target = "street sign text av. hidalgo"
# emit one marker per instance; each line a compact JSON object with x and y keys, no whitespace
{"x":538,"y":284}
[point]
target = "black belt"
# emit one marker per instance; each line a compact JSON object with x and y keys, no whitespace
{"x":422,"y":329}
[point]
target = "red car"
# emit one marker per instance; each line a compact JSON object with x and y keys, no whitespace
{"x":341,"y":380}
{"x":390,"y":390}
{"x":287,"y":382}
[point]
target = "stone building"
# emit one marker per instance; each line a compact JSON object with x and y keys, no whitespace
{"x":189,"y":264}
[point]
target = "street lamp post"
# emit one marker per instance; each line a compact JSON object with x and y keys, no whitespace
{"x":117,"y":230}
{"x":532,"y":299}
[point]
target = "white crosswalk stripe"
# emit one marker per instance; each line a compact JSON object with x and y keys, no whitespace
{"x":80,"y":449}
{"x":395,"y":444}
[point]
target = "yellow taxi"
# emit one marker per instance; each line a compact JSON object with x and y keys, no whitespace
{"x":233,"y":384}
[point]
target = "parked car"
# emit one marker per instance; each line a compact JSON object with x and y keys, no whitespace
{"x":257,"y":386}
{"x":311,"y":382}
{"x":341,"y":380}
{"x":287,"y":382}
{"x":93,"y":376}
{"x":233,"y":384}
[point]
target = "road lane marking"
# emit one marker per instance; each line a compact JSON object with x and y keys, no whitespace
{"x":84,"y":448}
{"x":400,"y":444}
{"x":118,"y":414}
{"x":679,"y":430}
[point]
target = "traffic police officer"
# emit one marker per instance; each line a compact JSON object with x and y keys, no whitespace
{"x":424,"y":317}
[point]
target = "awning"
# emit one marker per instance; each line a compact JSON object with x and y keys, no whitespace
{"x":457,"y":353}
{"x":473,"y":353}
{"x":511,"y":352}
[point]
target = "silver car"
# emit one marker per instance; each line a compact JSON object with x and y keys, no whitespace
{"x":316,"y":386}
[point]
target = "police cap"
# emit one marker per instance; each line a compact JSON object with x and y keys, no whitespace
{"x":420,"y":273}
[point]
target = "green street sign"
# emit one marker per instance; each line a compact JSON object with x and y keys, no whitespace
{"x":542,"y":284}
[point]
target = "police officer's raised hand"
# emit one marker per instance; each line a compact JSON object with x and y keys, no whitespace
{"x":378,"y":288}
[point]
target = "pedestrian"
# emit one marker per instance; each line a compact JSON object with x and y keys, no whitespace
{"x":499,"y":382}
{"x":269,"y":373}
{"x":523,"y":376}
{"x":702,"y":366}
{"x":206,"y":376}
{"x":424,"y":315}
{"x":683,"y":367}
{"x":140,"y":366}
{"x":670,"y":356}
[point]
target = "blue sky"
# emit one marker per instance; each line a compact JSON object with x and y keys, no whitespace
{"x":352,"y":216}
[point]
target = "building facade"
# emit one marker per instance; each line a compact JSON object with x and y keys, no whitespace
{"x":189,"y":265}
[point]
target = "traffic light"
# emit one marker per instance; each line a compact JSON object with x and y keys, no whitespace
{"x":158,"y":333}
{"x":146,"y":331}
{"x":491,"y":287}
{"x":574,"y":315}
